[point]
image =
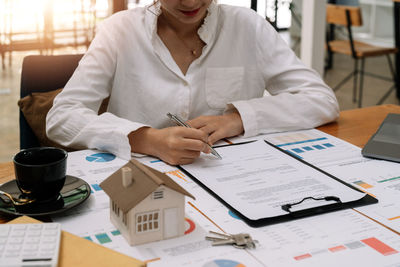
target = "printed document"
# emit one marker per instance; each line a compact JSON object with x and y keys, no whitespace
{"x":257,"y":179}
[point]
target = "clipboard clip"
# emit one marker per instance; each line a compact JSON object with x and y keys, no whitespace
{"x":287,"y":207}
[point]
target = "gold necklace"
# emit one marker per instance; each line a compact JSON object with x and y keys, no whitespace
{"x":193,"y":51}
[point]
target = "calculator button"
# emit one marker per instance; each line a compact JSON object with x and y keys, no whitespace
{"x":50,"y":233}
{"x":46,"y":255}
{"x":11,"y":254}
{"x":48,"y":239}
{"x":35,"y":227}
{"x":13,"y":247}
{"x":31,"y":247}
{"x":51,"y":226}
{"x":48,"y":247}
{"x":33,"y":240}
{"x":27,"y":255}
{"x":15,"y":233}
{"x":4,"y":232}
{"x":17,"y":240}
{"x":34,"y":233}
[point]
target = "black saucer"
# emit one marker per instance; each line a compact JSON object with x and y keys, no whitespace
{"x":74,"y":192}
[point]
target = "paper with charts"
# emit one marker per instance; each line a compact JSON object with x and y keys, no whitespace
{"x":378,"y":178}
{"x":342,"y":238}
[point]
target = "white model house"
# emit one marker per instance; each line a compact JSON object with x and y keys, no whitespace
{"x":145,"y":204}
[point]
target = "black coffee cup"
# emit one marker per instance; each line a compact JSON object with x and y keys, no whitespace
{"x":40,"y":172}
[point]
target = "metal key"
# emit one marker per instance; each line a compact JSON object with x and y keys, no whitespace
{"x":223,"y":239}
{"x":222,"y":236}
{"x":241,"y":240}
{"x":224,"y":242}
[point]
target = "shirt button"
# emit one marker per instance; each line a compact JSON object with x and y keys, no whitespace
{"x":184,"y":114}
{"x":185,"y":83}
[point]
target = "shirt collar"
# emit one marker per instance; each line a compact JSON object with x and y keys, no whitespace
{"x":207,"y":30}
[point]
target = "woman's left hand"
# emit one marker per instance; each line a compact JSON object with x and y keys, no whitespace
{"x":219,"y":127}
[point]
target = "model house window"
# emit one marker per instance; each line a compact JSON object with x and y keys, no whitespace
{"x":158,"y":194}
{"x":148,"y":221}
{"x":115,"y":208}
{"x":125,"y":219}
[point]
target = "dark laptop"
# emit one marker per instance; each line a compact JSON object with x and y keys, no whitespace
{"x":385,"y":143}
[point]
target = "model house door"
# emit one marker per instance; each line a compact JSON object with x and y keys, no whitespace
{"x":171,"y":222}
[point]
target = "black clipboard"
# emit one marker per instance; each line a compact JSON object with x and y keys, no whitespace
{"x":291,"y":215}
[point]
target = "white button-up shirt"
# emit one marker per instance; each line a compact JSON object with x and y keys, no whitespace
{"x":244,"y":64}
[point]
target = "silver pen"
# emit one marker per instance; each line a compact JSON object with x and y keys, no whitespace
{"x":181,"y":122}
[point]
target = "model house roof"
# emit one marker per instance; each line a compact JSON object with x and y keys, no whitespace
{"x":145,"y":180}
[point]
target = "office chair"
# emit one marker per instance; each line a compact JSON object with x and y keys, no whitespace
{"x":349,"y":16}
{"x":42,"y":74}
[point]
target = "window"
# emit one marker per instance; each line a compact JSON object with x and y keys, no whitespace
{"x":148,"y":221}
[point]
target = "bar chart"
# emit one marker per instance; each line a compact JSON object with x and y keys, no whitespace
{"x":369,"y":243}
{"x":103,"y":238}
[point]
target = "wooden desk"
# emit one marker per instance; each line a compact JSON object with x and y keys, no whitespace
{"x":357,"y":125}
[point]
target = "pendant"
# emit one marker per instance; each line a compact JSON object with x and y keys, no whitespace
{"x":194,"y":52}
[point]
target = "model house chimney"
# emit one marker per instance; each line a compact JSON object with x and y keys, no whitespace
{"x":127,"y":179}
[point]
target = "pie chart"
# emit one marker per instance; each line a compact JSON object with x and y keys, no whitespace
{"x":233,"y":215}
{"x":191,"y":226}
{"x":223,"y":263}
{"x":100,"y":157}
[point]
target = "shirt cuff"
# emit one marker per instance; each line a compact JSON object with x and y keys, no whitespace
{"x":117,"y":141}
{"x":248,"y":117}
{"x":125,"y":147}
{"x":137,"y":155}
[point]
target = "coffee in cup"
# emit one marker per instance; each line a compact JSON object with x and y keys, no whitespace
{"x":40,"y":172}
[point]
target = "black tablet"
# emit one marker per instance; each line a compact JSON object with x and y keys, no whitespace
{"x":385,"y":143}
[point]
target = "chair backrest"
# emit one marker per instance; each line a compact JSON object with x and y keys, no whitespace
{"x":345,"y":2}
{"x":342,"y":15}
{"x":347,"y":16}
{"x":43,"y":74}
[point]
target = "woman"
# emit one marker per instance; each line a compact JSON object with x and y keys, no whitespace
{"x":222,"y":68}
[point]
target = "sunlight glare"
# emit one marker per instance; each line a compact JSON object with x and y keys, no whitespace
{"x":24,"y":15}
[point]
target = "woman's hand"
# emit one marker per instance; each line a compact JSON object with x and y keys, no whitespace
{"x":219,"y":127}
{"x":174,"y":145}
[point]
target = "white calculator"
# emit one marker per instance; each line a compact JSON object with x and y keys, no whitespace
{"x":35,"y":244}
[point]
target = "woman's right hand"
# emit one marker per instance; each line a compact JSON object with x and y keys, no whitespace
{"x":174,"y":145}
